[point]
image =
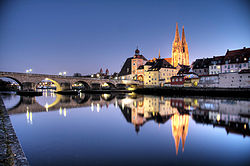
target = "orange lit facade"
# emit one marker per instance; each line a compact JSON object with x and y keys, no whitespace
{"x":180,"y":53}
{"x":179,"y":129}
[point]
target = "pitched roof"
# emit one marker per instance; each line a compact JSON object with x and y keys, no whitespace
{"x":169,"y":60}
{"x":237,"y":56}
{"x":184,"y":70}
{"x":126,"y":68}
{"x":202,"y":63}
{"x":161,"y":63}
{"x":217,"y":60}
{"x":139,"y":57}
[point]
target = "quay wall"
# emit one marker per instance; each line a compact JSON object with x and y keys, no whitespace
{"x":11,"y":152}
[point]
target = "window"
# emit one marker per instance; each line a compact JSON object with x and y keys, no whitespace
{"x":232,"y":66}
{"x":134,"y":64}
{"x":245,"y":64}
{"x":176,"y":79}
{"x":180,"y":79}
{"x":225,"y":66}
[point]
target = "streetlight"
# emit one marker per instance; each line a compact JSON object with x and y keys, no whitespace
{"x":62,"y":73}
{"x":28,"y":70}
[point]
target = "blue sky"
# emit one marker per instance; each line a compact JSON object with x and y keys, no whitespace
{"x":50,"y":36}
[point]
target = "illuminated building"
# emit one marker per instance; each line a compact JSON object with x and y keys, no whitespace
{"x":180,"y":53}
{"x":159,"y":73}
{"x":129,"y":69}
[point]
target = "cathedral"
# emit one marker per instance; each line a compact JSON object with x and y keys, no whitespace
{"x":180,"y":49}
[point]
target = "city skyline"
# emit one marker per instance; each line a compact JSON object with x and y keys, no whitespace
{"x":52,"y":37}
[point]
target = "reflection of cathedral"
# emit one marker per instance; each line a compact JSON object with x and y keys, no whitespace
{"x":179,"y":129}
{"x":159,"y":109}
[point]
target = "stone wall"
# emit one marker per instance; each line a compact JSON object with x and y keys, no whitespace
{"x":11,"y":152}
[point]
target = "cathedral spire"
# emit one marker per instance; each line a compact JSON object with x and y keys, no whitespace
{"x":177,"y":36}
{"x":183,"y":38}
{"x":159,"y":54}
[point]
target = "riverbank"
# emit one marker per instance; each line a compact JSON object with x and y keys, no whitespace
{"x":195,"y":91}
{"x":11,"y":152}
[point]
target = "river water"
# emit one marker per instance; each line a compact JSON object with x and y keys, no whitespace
{"x":130,"y":129}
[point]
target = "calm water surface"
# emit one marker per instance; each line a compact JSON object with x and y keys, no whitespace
{"x":130,"y":129}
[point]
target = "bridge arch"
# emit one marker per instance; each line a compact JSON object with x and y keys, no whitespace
{"x":16,"y":80}
{"x":85,"y":84}
{"x":108,"y":85}
{"x":58,"y":86}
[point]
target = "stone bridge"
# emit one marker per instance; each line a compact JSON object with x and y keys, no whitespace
{"x":63,"y":102}
{"x":29,"y":81}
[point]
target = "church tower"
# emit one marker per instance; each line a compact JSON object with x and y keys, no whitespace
{"x":176,"y":49}
{"x":180,"y":53}
{"x":184,"y":46}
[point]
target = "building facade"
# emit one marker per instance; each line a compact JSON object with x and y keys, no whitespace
{"x":215,"y":65}
{"x":129,"y":68}
{"x":180,"y":53}
{"x":235,"y":79}
{"x":236,"y":60}
{"x":159,"y":73}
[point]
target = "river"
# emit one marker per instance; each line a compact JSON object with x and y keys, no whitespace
{"x":130,"y":129}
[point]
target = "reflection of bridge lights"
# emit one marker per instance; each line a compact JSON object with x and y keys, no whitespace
{"x":47,"y":107}
{"x":98,"y":107}
{"x":123,"y":105}
{"x":116,"y":104}
{"x":64,"y":112}
{"x":29,"y":116}
{"x":218,"y":117}
{"x":92,"y":107}
{"x":127,"y":101}
{"x":60,"y":111}
{"x":245,"y":126}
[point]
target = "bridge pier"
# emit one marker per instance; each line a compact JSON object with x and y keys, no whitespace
{"x":96,"y":86}
{"x":65,"y":86}
{"x":28,"y":86}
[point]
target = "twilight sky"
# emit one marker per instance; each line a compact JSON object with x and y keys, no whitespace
{"x":82,"y":36}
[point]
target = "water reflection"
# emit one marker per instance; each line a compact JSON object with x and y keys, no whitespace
{"x":233,"y":115}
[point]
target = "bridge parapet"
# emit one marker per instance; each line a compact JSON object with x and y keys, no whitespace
{"x":29,"y":81}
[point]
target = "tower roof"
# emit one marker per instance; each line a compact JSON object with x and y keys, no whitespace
{"x":183,"y":38}
{"x":177,"y":36}
{"x":137,"y":51}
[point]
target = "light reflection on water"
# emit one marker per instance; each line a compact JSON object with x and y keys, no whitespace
{"x":207,"y":129}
